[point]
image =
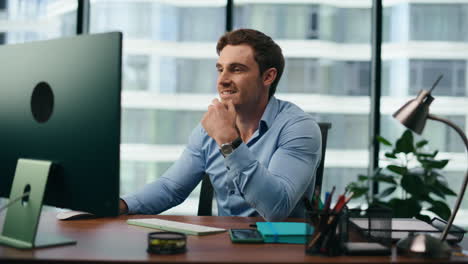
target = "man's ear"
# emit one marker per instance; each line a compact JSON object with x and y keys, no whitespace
{"x":269,"y":76}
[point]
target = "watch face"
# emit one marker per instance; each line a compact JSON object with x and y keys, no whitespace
{"x":226,"y":149}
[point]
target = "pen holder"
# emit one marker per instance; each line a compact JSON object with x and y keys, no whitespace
{"x":325,"y":231}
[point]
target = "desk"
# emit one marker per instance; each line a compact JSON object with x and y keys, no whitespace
{"x":108,"y":240}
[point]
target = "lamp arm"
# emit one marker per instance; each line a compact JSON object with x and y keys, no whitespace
{"x":465,"y":181}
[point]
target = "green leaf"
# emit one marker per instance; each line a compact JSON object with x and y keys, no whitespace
{"x":404,"y":208}
{"x":444,"y":188}
{"x":424,"y":218}
{"x":441,"y":209}
{"x":413,"y":184}
{"x":397,"y":169}
{"x":351,"y":185}
{"x":421,"y":143}
{"x":390,"y":155}
{"x":435,"y":190}
{"x":384,"y":141}
{"x":426,"y":197}
{"x":359,"y":191}
{"x":363,"y":177}
{"x":385,"y":178}
{"x":434,"y":164}
{"x":387,"y":192}
{"x":405,"y":143}
{"x":440,"y":164}
{"x":424,"y":155}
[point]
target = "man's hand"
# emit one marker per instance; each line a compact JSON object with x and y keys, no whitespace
{"x":220,"y":121}
{"x":123,"y":208}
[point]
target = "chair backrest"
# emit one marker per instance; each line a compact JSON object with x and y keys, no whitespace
{"x":206,"y":193}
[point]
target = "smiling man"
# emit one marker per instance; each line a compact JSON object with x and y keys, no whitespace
{"x":260,"y":153}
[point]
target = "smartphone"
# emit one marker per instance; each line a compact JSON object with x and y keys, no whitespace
{"x":245,"y":236}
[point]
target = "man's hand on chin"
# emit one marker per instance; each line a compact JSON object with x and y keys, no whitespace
{"x":220,"y":121}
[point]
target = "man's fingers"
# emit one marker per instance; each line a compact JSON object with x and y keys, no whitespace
{"x":230,"y":106}
{"x":215,"y":101}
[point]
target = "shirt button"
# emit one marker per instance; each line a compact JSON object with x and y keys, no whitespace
{"x":227,"y":167}
{"x":232,"y":192}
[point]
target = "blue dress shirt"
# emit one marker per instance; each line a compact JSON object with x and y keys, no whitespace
{"x":266,"y":176}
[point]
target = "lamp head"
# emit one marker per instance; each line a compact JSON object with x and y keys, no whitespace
{"x":414,"y":113}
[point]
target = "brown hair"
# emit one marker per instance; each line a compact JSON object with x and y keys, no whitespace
{"x":267,"y":53}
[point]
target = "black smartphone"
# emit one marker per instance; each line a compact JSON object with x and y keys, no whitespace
{"x":245,"y":236}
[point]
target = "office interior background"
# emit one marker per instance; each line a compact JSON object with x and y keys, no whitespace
{"x":169,"y":74}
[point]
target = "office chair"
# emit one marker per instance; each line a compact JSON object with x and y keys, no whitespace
{"x":206,"y":193}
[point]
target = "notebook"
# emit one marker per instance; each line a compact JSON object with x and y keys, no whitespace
{"x":283,"y":232}
{"x":174,"y":226}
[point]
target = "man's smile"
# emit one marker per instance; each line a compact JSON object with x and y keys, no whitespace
{"x":228,"y":92}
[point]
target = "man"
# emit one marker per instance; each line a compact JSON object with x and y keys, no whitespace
{"x":260,"y":153}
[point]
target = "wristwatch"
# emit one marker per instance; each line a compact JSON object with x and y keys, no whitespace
{"x":228,"y":148}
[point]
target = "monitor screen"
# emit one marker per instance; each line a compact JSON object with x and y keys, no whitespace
{"x":60,"y":102}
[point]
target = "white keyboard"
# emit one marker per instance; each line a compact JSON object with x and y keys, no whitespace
{"x":174,"y":226}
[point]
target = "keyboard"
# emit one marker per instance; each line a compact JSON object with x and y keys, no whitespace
{"x":174,"y":226}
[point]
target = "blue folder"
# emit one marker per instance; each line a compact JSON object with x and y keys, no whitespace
{"x":284,"y":232}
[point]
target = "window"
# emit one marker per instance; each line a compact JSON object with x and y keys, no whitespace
{"x":432,"y":40}
{"x":423,"y":74}
{"x":169,"y":78}
{"x":279,"y":21}
{"x":436,"y":22}
{"x":36,"y":20}
{"x":320,"y":76}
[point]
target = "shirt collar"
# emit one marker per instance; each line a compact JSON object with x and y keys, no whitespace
{"x":269,"y":115}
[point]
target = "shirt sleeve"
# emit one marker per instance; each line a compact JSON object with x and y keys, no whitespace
{"x":275,"y":190}
{"x":173,"y":187}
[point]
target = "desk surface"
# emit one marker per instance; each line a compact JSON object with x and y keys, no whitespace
{"x":109,"y":240}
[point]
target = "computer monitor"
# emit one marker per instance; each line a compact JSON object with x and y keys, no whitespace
{"x":60,"y":111}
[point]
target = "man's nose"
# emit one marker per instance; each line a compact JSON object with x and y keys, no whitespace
{"x":224,"y":79}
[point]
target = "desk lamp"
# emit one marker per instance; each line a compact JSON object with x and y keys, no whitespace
{"x":413,"y":115}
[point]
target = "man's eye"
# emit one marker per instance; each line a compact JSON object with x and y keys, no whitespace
{"x":237,"y":69}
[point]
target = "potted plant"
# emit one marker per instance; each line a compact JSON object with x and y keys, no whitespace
{"x":410,"y":184}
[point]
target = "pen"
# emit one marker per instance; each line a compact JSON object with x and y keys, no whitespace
{"x":328,"y":199}
{"x":339,"y":204}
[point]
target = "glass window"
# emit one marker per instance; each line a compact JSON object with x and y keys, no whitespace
{"x":159,"y":126}
{"x":36,"y":20}
{"x":320,"y":77}
{"x":169,"y":78}
{"x":425,"y":72}
{"x":196,"y":75}
{"x":435,"y":22}
{"x":429,"y":33}
{"x":279,"y":21}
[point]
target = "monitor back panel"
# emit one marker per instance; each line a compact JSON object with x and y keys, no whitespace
{"x":82,"y":134}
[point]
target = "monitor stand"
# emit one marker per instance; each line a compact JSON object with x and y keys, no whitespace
{"x":22,"y":217}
